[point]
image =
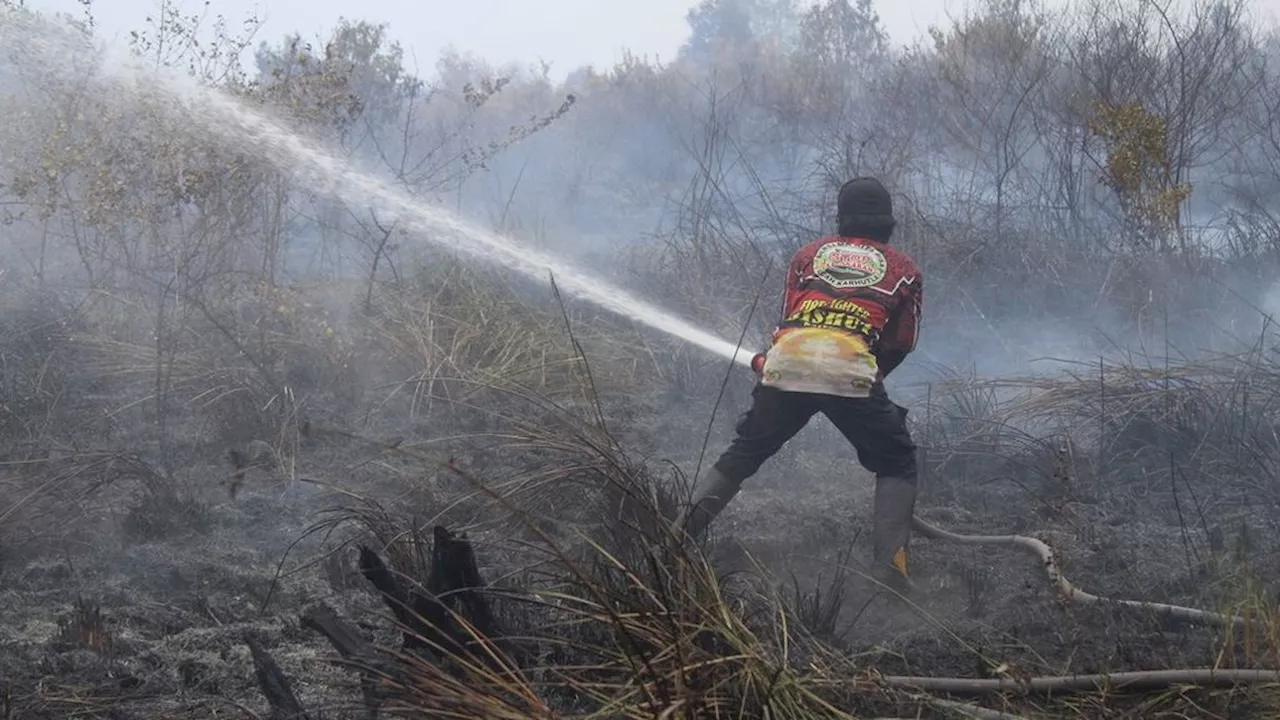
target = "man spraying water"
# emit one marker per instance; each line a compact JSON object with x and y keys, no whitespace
{"x":851,"y":313}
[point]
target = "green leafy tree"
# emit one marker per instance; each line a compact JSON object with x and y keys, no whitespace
{"x":355,"y":86}
{"x":1139,"y":169}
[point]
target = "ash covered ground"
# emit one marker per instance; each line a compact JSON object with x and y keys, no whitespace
{"x":130,"y":604}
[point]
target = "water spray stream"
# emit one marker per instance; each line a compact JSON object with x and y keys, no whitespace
{"x":38,"y":42}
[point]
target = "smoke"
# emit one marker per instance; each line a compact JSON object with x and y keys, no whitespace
{"x":686,"y":182}
{"x":196,"y":275}
{"x":689,"y":185}
{"x":1271,"y":301}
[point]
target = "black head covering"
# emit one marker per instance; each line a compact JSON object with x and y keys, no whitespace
{"x":865,"y":209}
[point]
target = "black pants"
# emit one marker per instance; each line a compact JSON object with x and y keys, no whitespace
{"x":875,"y":426}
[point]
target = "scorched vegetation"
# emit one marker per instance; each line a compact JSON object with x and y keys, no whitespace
{"x":264,"y":452}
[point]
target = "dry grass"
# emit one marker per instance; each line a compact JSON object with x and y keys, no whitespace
{"x":607,"y":620}
{"x":604,"y":616}
{"x":1213,"y":423}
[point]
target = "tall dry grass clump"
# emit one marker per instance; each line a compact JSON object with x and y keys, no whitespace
{"x":601,"y":610}
{"x":448,"y":331}
{"x":1214,"y":422}
{"x":52,"y":412}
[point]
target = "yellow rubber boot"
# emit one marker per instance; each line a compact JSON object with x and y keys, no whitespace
{"x":891,"y":531}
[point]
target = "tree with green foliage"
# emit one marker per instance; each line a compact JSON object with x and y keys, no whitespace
{"x":1139,"y":169}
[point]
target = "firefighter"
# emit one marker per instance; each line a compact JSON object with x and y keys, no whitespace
{"x":850,"y":316}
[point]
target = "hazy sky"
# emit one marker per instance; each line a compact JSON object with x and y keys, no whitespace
{"x":567,"y":33}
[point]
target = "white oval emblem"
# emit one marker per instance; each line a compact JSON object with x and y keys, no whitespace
{"x":844,"y":265}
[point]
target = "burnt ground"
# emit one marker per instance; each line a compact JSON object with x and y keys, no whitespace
{"x":129,"y":607}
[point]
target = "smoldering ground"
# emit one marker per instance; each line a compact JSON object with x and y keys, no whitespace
{"x":1096,"y":369}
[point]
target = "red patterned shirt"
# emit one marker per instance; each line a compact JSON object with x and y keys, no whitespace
{"x":851,"y":314}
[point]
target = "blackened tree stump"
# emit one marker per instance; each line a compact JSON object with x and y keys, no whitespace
{"x":447,"y":619}
{"x":450,"y":617}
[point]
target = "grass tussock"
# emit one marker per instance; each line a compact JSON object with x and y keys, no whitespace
{"x":611,"y":616}
{"x":1141,"y":423}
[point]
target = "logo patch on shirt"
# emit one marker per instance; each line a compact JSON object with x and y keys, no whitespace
{"x":844,"y":265}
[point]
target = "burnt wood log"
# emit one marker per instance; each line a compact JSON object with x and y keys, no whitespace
{"x":436,"y":618}
{"x":284,"y":704}
{"x":354,"y":649}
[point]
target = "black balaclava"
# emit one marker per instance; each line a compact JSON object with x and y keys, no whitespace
{"x":865,"y":209}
